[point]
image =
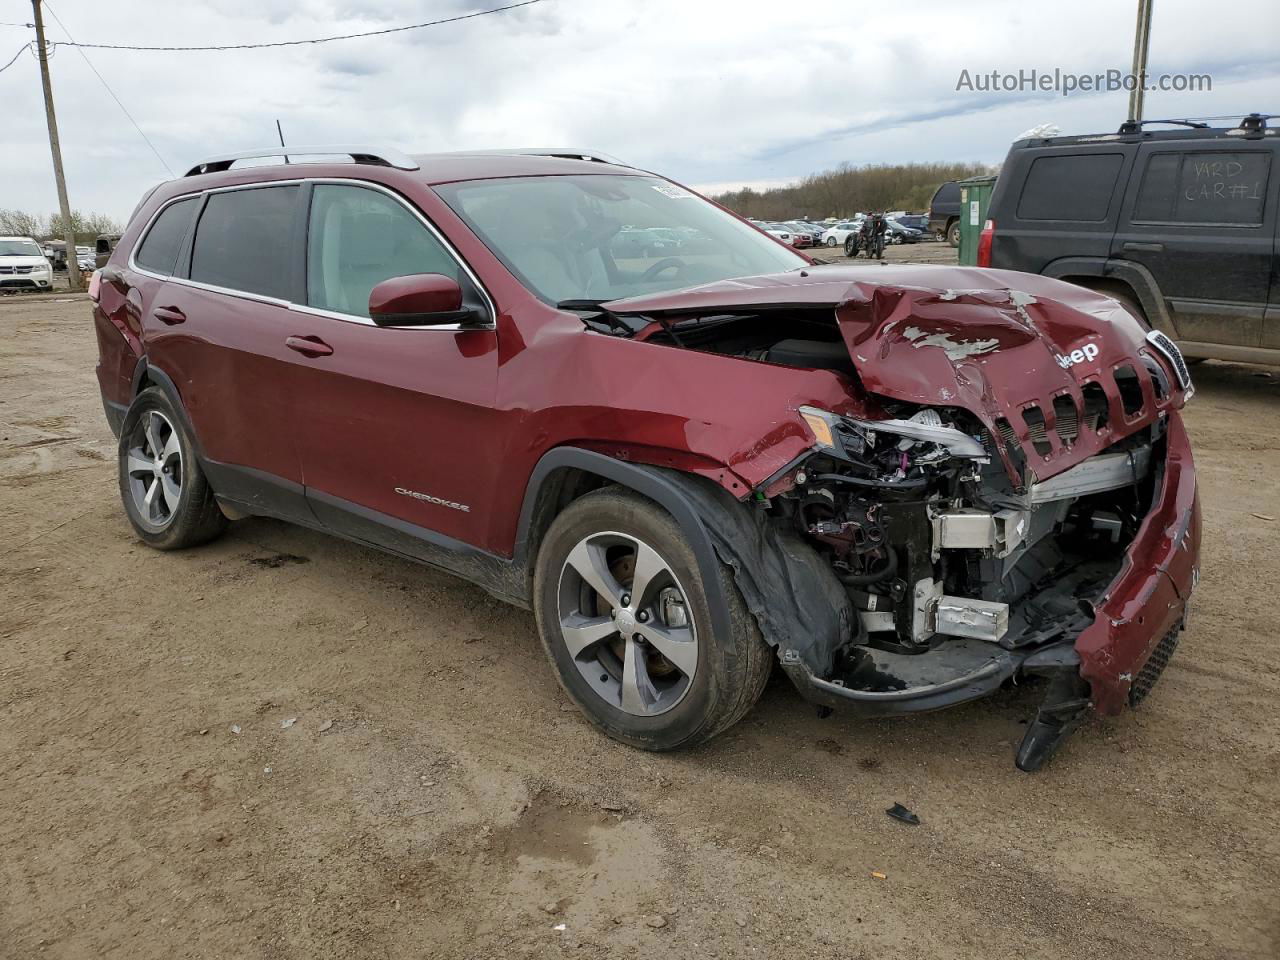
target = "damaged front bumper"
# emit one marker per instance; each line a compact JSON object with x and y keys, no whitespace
{"x":1114,"y":658}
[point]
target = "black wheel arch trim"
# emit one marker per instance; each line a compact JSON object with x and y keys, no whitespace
{"x":144,"y":370}
{"x":1133,"y":275}
{"x":644,"y":480}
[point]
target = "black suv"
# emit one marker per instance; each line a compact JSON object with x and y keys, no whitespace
{"x":944,"y":212}
{"x":1179,"y":225}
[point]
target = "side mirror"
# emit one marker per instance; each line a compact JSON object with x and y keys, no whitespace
{"x":418,"y":300}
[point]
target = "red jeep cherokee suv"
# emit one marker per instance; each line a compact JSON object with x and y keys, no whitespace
{"x":909,"y":485}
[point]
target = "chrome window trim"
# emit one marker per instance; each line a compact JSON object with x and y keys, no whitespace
{"x":307,"y":308}
{"x":146,"y":231}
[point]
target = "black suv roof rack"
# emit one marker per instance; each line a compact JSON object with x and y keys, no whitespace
{"x":360,"y":153}
{"x":1133,"y":126}
{"x":1252,"y":123}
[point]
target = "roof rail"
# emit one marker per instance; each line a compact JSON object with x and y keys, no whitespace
{"x":1250,"y":123}
{"x":566,"y":153}
{"x":1134,"y":126}
{"x":378,"y":156}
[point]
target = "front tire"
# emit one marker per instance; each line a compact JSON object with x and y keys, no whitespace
{"x":953,"y":233}
{"x":624,"y":618}
{"x":832,"y":241}
{"x":166,"y":496}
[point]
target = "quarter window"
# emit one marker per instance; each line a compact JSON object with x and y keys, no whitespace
{"x":1208,"y":187}
{"x":159,"y":250}
{"x":243,"y":241}
{"x":1072,"y":187}
{"x":356,"y":238}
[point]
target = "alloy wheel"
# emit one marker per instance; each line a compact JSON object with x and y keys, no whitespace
{"x":626,"y":625}
{"x":154,"y":468}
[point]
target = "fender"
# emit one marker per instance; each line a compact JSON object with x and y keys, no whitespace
{"x":241,"y":491}
{"x":658,"y":485}
{"x":1144,"y":286}
{"x":146,"y":371}
{"x":1133,"y":275}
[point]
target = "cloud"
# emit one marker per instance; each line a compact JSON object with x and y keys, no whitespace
{"x":715,"y":92}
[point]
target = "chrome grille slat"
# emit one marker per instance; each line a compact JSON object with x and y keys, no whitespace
{"x":1170,"y":351}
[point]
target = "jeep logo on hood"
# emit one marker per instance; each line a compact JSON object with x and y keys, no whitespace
{"x":1079,"y":355}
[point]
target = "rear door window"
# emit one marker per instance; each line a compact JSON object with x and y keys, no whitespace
{"x":1070,"y":187}
{"x":1204,"y":187}
{"x":356,"y":238}
{"x":159,"y":250}
{"x":244,"y":241}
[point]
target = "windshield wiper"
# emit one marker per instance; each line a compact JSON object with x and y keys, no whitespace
{"x":598,"y":312}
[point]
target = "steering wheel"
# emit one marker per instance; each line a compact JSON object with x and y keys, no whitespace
{"x":666,"y":263}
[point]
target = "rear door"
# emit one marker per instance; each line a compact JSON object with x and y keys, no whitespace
{"x":1202,"y":221}
{"x":396,"y":427}
{"x":218,"y":326}
{"x":1271,"y":322}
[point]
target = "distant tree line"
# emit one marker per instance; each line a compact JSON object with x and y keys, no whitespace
{"x":848,"y":189}
{"x":19,"y":223}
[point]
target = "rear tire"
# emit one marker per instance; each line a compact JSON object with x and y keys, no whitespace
{"x":832,"y":241}
{"x":625,"y":541}
{"x":166,"y":496}
{"x":953,"y":233}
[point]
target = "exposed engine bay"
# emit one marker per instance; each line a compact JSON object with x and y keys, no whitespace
{"x":919,"y":520}
{"x":968,"y":515}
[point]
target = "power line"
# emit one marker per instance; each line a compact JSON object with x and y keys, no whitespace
{"x":298,"y":43}
{"x":15,"y":58}
{"x":107,"y":87}
{"x":7,"y":23}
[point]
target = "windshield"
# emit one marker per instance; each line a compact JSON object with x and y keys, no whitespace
{"x":19,"y":248}
{"x":600,"y":238}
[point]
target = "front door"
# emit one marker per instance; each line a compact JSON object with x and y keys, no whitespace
{"x":394,"y":426}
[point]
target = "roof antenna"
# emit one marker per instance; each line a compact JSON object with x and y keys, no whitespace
{"x":280,"y":132}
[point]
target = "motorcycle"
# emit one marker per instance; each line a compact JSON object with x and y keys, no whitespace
{"x":869,"y":240}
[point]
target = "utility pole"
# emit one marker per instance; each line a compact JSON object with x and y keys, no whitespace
{"x":42,"y":54}
{"x":1141,"y":40}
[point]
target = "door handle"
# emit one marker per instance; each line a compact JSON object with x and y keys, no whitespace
{"x":1144,"y":247}
{"x":309,"y":346}
{"x":169,"y":315}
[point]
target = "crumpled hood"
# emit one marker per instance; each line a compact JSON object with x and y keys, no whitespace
{"x":1002,"y":344}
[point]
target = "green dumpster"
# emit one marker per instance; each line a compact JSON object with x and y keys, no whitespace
{"x":975,"y":197}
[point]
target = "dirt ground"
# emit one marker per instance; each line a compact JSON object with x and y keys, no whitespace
{"x":437,"y":797}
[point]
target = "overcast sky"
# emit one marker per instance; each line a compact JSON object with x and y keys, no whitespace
{"x":710,"y":93}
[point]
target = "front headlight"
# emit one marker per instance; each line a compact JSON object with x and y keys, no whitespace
{"x":926,"y":426}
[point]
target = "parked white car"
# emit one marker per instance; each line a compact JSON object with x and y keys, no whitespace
{"x":774,"y":230}
{"x":835,"y":236}
{"x":23,"y":265}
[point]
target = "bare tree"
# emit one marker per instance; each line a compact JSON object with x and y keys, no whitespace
{"x":101,"y":223}
{"x":19,"y":223}
{"x":82,"y":224}
{"x":848,"y":190}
